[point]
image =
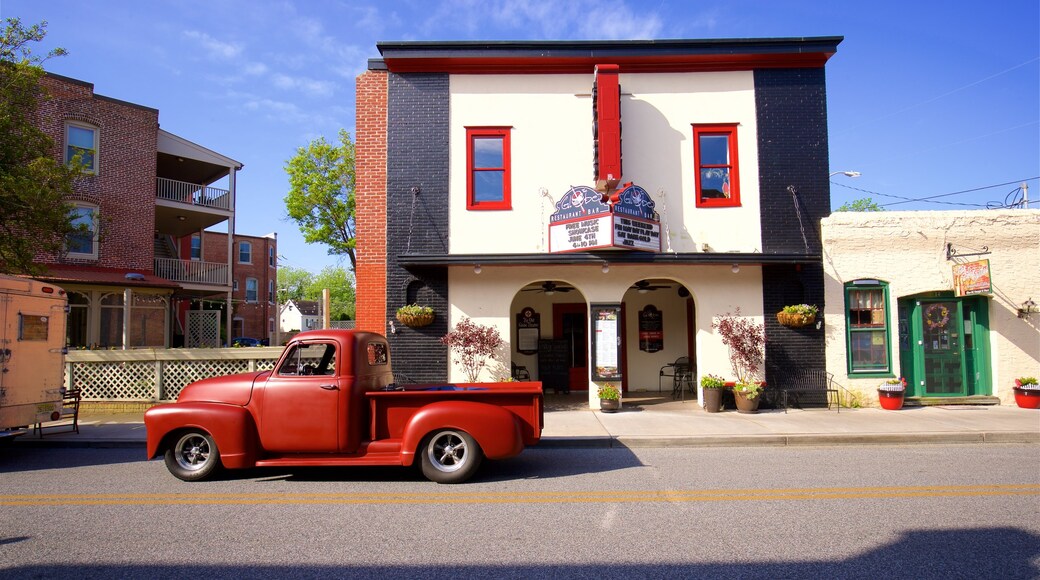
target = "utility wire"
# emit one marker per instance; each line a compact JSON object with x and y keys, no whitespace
{"x":933,"y":197}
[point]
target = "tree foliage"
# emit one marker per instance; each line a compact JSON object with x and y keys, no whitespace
{"x":746,"y":340}
{"x":321,"y":194}
{"x":34,"y":214}
{"x":299,"y":284}
{"x":862,"y":204}
{"x":473,"y":346}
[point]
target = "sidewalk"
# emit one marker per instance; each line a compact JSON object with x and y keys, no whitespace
{"x":656,"y":422}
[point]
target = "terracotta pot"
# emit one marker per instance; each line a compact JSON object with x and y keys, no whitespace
{"x":891,"y":400}
{"x":1027,"y":398}
{"x":745,"y":404}
{"x":609,"y":405}
{"x":713,"y":400}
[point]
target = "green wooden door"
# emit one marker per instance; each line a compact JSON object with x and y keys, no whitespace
{"x":942,"y":348}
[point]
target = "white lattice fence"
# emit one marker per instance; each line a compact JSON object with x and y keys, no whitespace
{"x":116,"y":380}
{"x":177,"y":374}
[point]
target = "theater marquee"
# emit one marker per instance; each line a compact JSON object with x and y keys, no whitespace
{"x":585,"y":221}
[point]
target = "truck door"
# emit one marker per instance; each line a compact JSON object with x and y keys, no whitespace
{"x":302,"y":401}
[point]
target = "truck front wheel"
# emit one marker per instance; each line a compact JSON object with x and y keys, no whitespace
{"x":193,"y":456}
{"x":450,"y":456}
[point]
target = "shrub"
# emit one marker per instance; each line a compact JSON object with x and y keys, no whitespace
{"x":746,"y":340}
{"x":473,"y":346}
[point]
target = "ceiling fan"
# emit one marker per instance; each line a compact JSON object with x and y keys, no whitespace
{"x":549,"y":287}
{"x":644,"y":286}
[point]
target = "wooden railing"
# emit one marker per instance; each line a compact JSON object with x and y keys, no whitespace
{"x":192,"y":193}
{"x":192,"y":271}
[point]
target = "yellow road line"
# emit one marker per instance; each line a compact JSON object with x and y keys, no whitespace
{"x":546,"y":497}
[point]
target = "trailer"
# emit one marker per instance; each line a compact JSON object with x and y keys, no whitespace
{"x":33,"y":316}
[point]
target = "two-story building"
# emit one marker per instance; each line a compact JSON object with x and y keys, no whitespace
{"x":144,"y":192}
{"x":598,"y":202}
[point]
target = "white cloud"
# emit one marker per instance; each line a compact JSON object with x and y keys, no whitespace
{"x":312,"y":87}
{"x":254,"y":69}
{"x":215,"y":48}
{"x":548,"y":19}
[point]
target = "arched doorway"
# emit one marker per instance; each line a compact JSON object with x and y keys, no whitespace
{"x":657,"y":330}
{"x":549,"y":326}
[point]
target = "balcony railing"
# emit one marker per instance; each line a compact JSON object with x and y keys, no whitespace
{"x":192,"y":193}
{"x":192,"y":271}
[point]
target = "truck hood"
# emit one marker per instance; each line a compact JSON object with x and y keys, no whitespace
{"x":230,"y":389}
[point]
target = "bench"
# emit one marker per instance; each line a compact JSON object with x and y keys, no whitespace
{"x":69,"y":410}
{"x":815,"y":384}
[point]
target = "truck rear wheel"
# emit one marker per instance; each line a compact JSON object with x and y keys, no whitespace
{"x":193,"y":456}
{"x":450,"y":456}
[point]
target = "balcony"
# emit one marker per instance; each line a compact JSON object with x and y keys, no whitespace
{"x":192,"y":272}
{"x":193,"y":194}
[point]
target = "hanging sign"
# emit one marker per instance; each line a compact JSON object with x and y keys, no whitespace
{"x":972,"y":278}
{"x":651,"y":329}
{"x":583,"y":221}
{"x":606,"y":342}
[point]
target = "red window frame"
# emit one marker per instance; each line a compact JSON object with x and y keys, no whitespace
{"x":730,"y":131}
{"x":472,"y":134}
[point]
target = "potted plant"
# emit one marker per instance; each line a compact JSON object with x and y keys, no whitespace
{"x":713,"y":386}
{"x":415,"y":316}
{"x":746,"y":340}
{"x":1027,"y":393}
{"x":797,"y":315}
{"x":746,"y":396}
{"x":891,"y":393}
{"x":473,"y":346}
{"x":609,"y":398}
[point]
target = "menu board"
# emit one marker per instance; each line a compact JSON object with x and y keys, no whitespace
{"x":528,"y":330}
{"x":651,"y":329}
{"x":554,"y":365}
{"x":606,"y":342}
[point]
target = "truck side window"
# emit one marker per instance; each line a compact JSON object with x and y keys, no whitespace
{"x":377,"y":353}
{"x":309,"y":359}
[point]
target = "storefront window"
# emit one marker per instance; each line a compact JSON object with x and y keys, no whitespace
{"x":866,"y":311}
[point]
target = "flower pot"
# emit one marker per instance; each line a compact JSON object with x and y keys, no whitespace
{"x":792,"y":320}
{"x":609,"y":405}
{"x":891,"y":400}
{"x":744,"y":403}
{"x":415,"y":320}
{"x":713,"y":400}
{"x":1027,"y":398}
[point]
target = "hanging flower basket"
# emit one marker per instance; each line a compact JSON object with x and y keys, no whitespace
{"x":415,"y":316}
{"x":793,"y":320}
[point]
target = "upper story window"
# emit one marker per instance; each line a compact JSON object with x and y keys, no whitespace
{"x":717,"y":175}
{"x":866,"y":314}
{"x":83,"y":243}
{"x":270,"y":291}
{"x":270,"y":257}
{"x":196,"y":247}
{"x":235,"y":285}
{"x":245,"y":253}
{"x":251,"y":289}
{"x":487,"y":168}
{"x":82,"y":139}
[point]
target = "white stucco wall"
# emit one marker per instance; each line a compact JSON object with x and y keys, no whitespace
{"x":714,"y":289}
{"x":657,"y":144}
{"x":908,"y":250}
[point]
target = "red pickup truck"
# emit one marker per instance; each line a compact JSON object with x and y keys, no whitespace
{"x":331,"y":399}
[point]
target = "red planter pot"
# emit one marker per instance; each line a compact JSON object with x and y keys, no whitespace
{"x":1027,"y":398}
{"x":891,"y":400}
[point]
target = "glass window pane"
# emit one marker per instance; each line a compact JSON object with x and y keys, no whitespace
{"x":32,"y":327}
{"x":715,"y":183}
{"x":488,"y":186}
{"x":714,"y":149}
{"x":81,"y":137}
{"x":82,"y":242}
{"x":487,"y":152}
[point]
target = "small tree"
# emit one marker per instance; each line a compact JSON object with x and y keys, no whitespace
{"x":746,"y":340}
{"x":473,"y":346}
{"x":862,"y":204}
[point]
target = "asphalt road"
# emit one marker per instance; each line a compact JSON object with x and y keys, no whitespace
{"x":968,"y":511}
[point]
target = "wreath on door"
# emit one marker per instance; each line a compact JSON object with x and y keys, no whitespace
{"x":936,"y":316}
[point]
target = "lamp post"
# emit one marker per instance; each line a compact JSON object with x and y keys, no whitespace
{"x":845,"y":173}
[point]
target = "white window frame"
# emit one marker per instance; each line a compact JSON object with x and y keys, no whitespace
{"x":93,"y":167}
{"x":93,"y":254}
{"x":256,"y":289}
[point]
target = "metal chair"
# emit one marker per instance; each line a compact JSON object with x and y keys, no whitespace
{"x":680,"y":373}
{"x":520,"y":373}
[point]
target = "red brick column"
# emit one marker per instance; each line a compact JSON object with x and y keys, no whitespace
{"x":370,"y":200}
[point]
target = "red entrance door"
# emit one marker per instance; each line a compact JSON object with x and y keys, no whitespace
{"x":570,"y":323}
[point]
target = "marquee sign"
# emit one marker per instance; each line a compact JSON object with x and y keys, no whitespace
{"x":972,"y":278}
{"x":584,"y":221}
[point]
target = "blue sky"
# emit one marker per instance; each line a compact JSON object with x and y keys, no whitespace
{"x":925,"y":99}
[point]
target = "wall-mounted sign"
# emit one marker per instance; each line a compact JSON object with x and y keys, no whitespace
{"x":651,"y":329}
{"x":583,"y":221}
{"x":606,"y":342}
{"x":528,"y":330}
{"x":972,"y":278}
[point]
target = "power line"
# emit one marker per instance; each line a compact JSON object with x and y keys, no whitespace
{"x":934,"y":197}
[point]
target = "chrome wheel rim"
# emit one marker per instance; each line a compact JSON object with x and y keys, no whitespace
{"x":447,"y":451}
{"x":192,"y":451}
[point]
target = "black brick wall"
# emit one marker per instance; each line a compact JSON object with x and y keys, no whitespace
{"x":792,"y":146}
{"x":417,"y":217}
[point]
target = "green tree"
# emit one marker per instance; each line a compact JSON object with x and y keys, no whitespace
{"x":341,"y":291}
{"x":321,"y":194}
{"x":863,"y":204}
{"x":34,"y":214}
{"x":293,"y":283}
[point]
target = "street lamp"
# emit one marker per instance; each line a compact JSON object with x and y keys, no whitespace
{"x":845,"y":173}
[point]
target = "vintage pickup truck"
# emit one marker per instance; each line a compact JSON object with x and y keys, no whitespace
{"x":331,"y":400}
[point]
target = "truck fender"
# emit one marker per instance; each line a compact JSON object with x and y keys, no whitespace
{"x":495,"y":429}
{"x":232,"y":428}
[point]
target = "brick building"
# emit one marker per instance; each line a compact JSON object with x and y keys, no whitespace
{"x":254,"y":264}
{"x":600,"y":260}
{"x":144,"y":191}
